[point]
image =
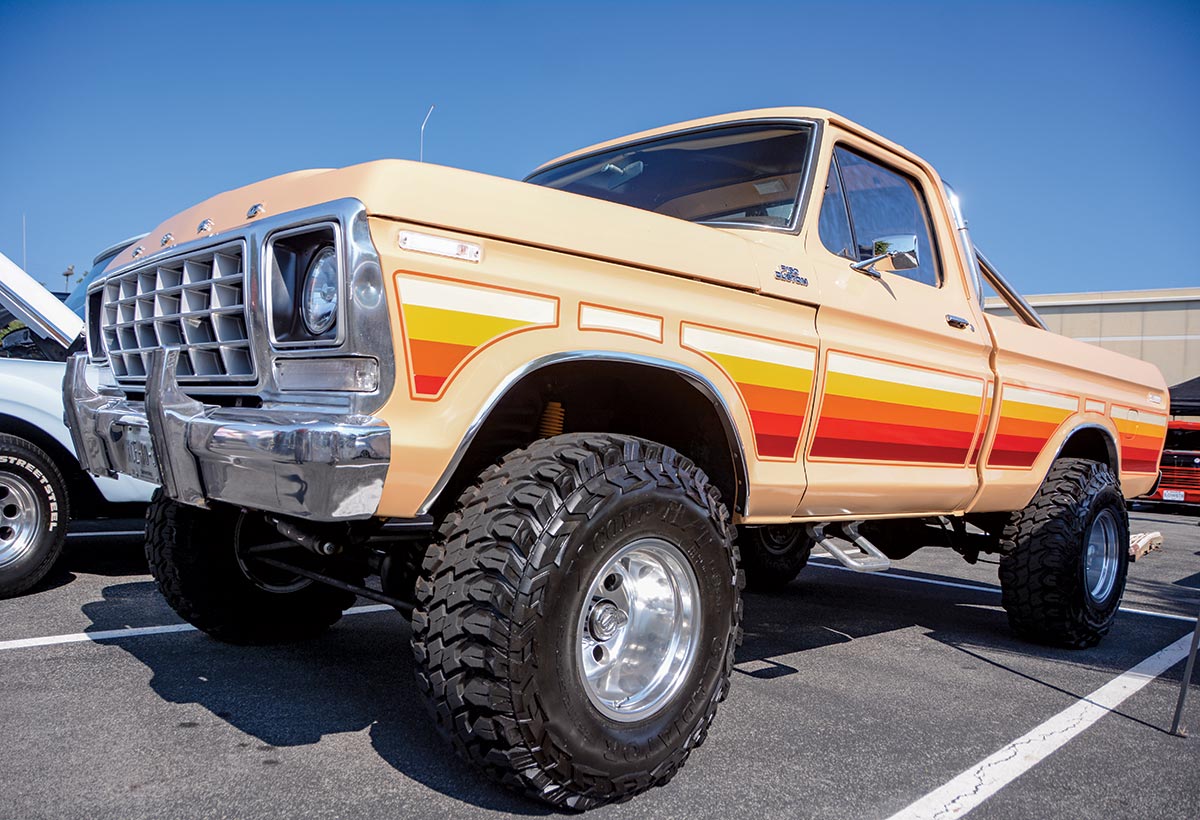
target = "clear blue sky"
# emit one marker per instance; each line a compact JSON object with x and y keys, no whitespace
{"x":1071,"y":129}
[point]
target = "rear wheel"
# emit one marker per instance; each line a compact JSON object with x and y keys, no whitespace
{"x":1065,"y":556}
{"x":202,"y":564}
{"x":576,"y":623}
{"x":773,"y":555}
{"x":34,"y":512}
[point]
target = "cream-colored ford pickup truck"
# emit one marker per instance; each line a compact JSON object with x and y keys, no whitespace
{"x":564,"y":419}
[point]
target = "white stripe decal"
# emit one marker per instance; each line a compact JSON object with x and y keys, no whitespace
{"x":597,"y":318}
{"x":975,"y":785}
{"x":468,"y":299}
{"x":1091,"y":406}
{"x":1039,"y":398}
{"x":747,"y":347}
{"x":899,"y":374}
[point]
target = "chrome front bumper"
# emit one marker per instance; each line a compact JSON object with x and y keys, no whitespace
{"x":298,"y":462}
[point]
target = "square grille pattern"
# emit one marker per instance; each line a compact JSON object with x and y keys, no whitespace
{"x":196,"y":302}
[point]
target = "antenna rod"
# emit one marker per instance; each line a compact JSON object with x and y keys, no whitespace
{"x":422,"y":154}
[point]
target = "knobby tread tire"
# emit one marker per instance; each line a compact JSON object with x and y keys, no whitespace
{"x":30,"y":462}
{"x":483,"y":590}
{"x":191,"y":555}
{"x":1043,"y":547}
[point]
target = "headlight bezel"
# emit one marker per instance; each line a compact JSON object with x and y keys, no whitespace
{"x":288,"y":257}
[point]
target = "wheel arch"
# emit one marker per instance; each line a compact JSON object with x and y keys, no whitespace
{"x":83,"y":492}
{"x":1093,"y":442}
{"x":709,"y":436}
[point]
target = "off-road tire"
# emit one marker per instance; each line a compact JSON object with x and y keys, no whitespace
{"x":497,"y":599}
{"x":773,"y":556}
{"x":28,"y":467}
{"x":192,"y":556}
{"x":1043,"y":547}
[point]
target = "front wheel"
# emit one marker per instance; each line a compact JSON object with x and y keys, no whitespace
{"x":202,"y":564}
{"x":1065,"y":556}
{"x":34,"y":513}
{"x":576,"y":622}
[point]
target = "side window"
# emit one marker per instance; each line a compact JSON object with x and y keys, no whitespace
{"x":884,"y":203}
{"x":834,"y":224}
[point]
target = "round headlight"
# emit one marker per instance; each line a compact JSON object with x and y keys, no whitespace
{"x":318,"y":307}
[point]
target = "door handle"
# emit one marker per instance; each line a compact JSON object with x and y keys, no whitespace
{"x":958,"y":322}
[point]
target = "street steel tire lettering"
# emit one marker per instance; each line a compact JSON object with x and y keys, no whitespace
{"x":192,"y":555}
{"x":1044,"y":563}
{"x":34,"y":512}
{"x":498,"y":604}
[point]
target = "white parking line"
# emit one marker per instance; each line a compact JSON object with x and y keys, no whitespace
{"x":106,"y":533}
{"x":987,"y":777}
{"x":899,"y":576}
{"x":138,"y":631}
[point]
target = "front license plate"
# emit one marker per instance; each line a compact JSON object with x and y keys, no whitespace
{"x":139,"y":454}
{"x":1173,"y":495}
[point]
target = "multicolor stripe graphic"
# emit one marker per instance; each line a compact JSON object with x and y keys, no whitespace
{"x":445,"y":322}
{"x":983,"y":427}
{"x":1028,"y":418}
{"x":1142,"y":437}
{"x":595,"y":317}
{"x":875,"y":410}
{"x":773,"y":377}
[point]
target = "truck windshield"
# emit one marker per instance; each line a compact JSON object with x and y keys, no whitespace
{"x":737,"y":175}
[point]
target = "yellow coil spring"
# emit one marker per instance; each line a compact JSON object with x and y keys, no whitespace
{"x":552,"y":420}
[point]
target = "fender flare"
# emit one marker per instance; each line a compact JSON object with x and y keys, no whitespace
{"x":697,"y":379}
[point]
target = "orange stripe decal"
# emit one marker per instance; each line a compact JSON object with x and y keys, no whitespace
{"x":773,"y":377}
{"x":884,"y":411}
{"x":446,"y":322}
{"x":1028,"y":419}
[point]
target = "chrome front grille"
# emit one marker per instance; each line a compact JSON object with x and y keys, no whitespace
{"x":195,"y":302}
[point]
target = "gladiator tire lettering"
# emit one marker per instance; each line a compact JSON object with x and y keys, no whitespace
{"x":493,"y":605}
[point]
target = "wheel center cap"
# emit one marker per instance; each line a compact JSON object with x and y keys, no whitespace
{"x":606,"y":619}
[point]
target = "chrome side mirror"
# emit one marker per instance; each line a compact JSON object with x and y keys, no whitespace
{"x":892,"y":253}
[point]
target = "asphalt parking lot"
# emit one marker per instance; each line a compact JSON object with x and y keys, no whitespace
{"x":854,"y":697}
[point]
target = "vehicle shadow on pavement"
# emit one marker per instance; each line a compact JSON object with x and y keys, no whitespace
{"x":357,"y":676}
{"x":823,"y":608}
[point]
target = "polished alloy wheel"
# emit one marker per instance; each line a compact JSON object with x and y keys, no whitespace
{"x":638,"y":630}
{"x":1103,"y":555}
{"x":20,"y":518}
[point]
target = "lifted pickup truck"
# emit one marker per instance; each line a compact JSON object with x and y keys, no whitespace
{"x":549,"y":414}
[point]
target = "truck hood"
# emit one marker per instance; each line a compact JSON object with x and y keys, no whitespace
{"x":37,"y":307}
{"x":488,"y":206}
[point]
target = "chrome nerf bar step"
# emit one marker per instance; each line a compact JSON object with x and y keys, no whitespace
{"x":862,"y":557}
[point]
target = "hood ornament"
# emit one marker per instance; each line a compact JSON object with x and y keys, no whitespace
{"x":255,"y":210}
{"x":205,"y":227}
{"x":138,"y":251}
{"x":167,"y":238}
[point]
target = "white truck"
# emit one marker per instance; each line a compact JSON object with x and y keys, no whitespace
{"x":41,"y":483}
